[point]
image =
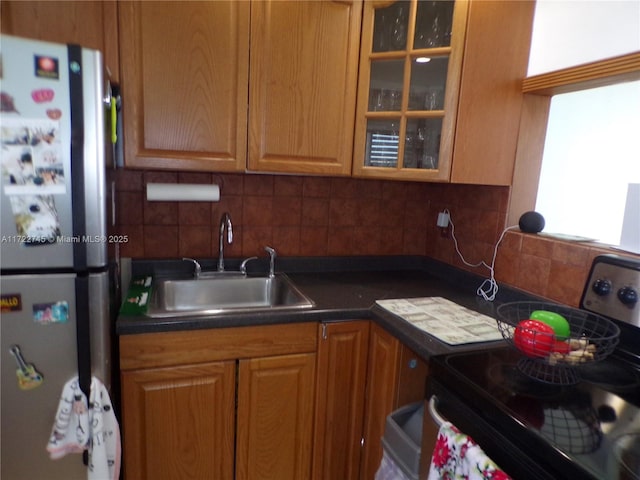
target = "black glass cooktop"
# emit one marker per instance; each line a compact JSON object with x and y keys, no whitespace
{"x":595,"y":423}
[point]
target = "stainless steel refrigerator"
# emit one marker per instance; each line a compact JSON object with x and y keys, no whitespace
{"x":54,"y":279}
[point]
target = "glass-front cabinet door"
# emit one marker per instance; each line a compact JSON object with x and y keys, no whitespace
{"x":410,"y":64}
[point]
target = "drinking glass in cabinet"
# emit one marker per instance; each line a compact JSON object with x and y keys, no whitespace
{"x":433,"y":24}
{"x":384,"y":99}
{"x":427,"y":86}
{"x":382,"y":142}
{"x":390,"y":27}
{"x":385,"y":85}
{"x":422,"y":143}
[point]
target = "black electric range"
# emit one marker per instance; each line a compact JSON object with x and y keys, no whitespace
{"x":540,"y":430}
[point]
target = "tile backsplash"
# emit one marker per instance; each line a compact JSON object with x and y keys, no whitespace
{"x":322,"y":216}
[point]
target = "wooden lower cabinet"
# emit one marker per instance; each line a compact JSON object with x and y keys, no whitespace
{"x":275,"y":417}
{"x":219,"y":404}
{"x":364,"y":373}
{"x":396,"y":376}
{"x":384,"y":361}
{"x":343,"y":349}
{"x":278,"y":402}
{"x":179,"y":422}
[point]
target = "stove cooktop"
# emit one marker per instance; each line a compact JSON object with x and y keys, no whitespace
{"x":562,"y":429}
{"x":595,"y":423}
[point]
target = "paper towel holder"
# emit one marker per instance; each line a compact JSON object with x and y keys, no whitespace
{"x":182,"y":192}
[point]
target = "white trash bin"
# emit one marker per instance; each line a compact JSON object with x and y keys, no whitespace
{"x":401,"y":444}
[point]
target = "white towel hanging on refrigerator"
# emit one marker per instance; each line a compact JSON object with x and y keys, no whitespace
{"x":77,"y":428}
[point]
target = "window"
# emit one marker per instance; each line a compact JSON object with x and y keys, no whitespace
{"x":383,"y":149}
{"x":591,"y":149}
{"x":591,"y":154}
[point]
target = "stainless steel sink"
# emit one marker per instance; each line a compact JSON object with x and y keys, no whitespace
{"x":225,"y":294}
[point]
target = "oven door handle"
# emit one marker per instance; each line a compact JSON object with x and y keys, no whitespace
{"x":433,"y":411}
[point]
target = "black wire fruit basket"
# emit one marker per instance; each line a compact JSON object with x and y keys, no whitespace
{"x":547,"y":356}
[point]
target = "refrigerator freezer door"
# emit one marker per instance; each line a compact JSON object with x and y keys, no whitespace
{"x":95,"y":198}
{"x":36,"y":176}
{"x":39,"y":316}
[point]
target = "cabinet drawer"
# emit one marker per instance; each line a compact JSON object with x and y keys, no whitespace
{"x":197,"y":346}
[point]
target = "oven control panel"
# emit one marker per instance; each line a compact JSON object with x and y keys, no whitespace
{"x":613,"y":288}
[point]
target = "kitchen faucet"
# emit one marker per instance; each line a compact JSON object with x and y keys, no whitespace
{"x":225,"y":221}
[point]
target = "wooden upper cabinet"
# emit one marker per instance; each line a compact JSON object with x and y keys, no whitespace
{"x":410,"y":63}
{"x":92,"y":24}
{"x":184,"y":84}
{"x":496,"y":56}
{"x":304,"y":58}
{"x":440,"y":89}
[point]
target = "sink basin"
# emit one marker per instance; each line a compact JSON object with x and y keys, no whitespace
{"x":225,"y":294}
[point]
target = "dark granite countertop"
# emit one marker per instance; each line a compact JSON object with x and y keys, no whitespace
{"x":346,"y":289}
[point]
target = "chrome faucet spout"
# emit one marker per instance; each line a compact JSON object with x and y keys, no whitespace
{"x":197,"y":269}
{"x":225,"y":223}
{"x":243,"y":265}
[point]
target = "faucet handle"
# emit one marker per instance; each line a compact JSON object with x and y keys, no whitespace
{"x":197,"y":269}
{"x":272,"y":260}
{"x":243,"y":265}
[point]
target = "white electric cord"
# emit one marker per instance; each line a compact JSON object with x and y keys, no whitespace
{"x":489,"y":288}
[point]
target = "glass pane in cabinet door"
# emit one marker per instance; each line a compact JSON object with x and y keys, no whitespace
{"x":390,"y":27}
{"x":428,"y":79}
{"x":382,"y":142}
{"x":385,"y":85}
{"x":422,"y":143}
{"x":433,"y":24}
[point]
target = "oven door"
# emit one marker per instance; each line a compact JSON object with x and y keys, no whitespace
{"x":519,"y":452}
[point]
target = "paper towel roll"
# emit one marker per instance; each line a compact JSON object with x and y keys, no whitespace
{"x":182,"y":192}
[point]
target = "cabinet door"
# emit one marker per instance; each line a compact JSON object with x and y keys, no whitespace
{"x":178,"y":422}
{"x":342,"y":373}
{"x":382,"y":378}
{"x":275,"y":417}
{"x":396,"y":377}
{"x":412,"y":378}
{"x":304,"y":58}
{"x":415,"y":130}
{"x":184,"y":84}
{"x":495,"y":63}
{"x":410,"y":64}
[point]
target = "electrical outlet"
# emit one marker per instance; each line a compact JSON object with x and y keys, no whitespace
{"x":443,"y":220}
{"x":444,"y":224}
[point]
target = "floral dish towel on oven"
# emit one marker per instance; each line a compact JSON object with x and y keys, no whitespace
{"x":457,"y":456}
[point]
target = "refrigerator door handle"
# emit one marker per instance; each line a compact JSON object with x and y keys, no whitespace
{"x":77,"y":157}
{"x":83,"y":334}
